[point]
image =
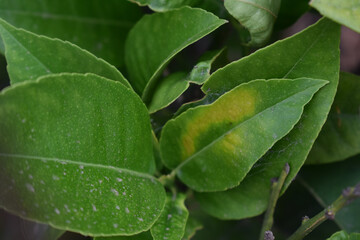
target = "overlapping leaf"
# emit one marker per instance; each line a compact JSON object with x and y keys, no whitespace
{"x":71,"y":159}
{"x":166,"y":34}
{"x":340,"y":136}
{"x":294,"y":57}
{"x":141,"y":236}
{"x":327,"y":182}
{"x":168,"y":90}
{"x":258,"y":16}
{"x":30,"y":56}
{"x":100,"y":28}
{"x":346,"y":12}
{"x":172,"y":221}
{"x":213,"y":147}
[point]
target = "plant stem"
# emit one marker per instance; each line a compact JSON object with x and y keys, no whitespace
{"x":347,"y":196}
{"x":274,"y":195}
{"x":167,"y":180}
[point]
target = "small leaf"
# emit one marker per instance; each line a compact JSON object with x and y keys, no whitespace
{"x":213,"y":147}
{"x":168,"y":90}
{"x":30,"y":56}
{"x":100,"y":28}
{"x":172,"y":221}
{"x":327,"y":182}
{"x":294,"y":57}
{"x":166,"y":34}
{"x":345,"y":12}
{"x":201,"y":71}
{"x":72,"y":160}
{"x":161,"y":5}
{"x":258,"y":16}
{"x":340,"y":136}
{"x":342,"y":235}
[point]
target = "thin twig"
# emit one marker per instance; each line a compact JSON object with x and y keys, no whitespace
{"x":276,"y":187}
{"x":347,"y":196}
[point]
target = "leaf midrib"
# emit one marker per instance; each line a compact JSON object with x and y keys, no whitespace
{"x":238,"y":126}
{"x":63,"y":17}
{"x":306,"y":51}
{"x":61,"y":161}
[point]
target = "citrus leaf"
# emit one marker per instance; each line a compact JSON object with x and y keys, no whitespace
{"x":168,"y":90}
{"x":294,"y":57}
{"x":201,"y":71}
{"x":70,"y":159}
{"x":213,"y":147}
{"x":327,"y":182}
{"x":166,"y":34}
{"x":161,"y":6}
{"x":172,"y":221}
{"x":97,"y":27}
{"x":342,"y":235}
{"x":340,"y":136}
{"x":30,"y":56}
{"x":258,"y":16}
{"x":345,"y":12}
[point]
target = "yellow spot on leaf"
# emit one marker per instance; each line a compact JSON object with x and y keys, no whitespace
{"x":231,"y":108}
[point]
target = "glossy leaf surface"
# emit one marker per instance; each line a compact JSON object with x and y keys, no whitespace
{"x":72,"y":160}
{"x":326,"y":183}
{"x":168,"y":90}
{"x":258,"y":16}
{"x":213,"y":147}
{"x":294,"y":57}
{"x":161,"y":6}
{"x":201,"y":71}
{"x":340,"y":136}
{"x":345,"y":12}
{"x":172,"y":221}
{"x":97,"y":27}
{"x":342,"y":235}
{"x":30,"y":56}
{"x":166,"y":34}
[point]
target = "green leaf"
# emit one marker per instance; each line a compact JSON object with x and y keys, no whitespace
{"x":168,"y":90}
{"x":30,"y":56}
{"x":213,"y":147}
{"x":326,"y":183}
{"x":141,"y":236}
{"x":201,"y":71}
{"x":345,"y":12}
{"x":172,"y":221}
{"x":72,"y":160}
{"x":340,"y":136}
{"x":192,"y":226}
{"x":161,"y":5}
{"x":342,"y":235}
{"x":258,"y":16}
{"x":100,"y":28}
{"x":294,"y":57}
{"x":166,"y":34}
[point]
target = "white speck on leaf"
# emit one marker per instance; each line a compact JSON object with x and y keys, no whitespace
{"x":94,"y":208}
{"x":57,"y":211}
{"x":30,"y":187}
{"x":115,"y":192}
{"x":127,"y":210}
